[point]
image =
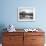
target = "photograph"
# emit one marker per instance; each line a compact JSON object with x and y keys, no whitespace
{"x":26,"y":14}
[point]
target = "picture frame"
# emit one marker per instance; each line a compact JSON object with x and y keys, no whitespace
{"x":26,"y":14}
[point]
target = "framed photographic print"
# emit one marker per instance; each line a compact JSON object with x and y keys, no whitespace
{"x":26,"y":14}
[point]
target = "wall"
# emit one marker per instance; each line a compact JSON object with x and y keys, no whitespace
{"x":9,"y":13}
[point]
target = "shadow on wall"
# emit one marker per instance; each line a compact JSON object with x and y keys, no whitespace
{"x":2,"y":26}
